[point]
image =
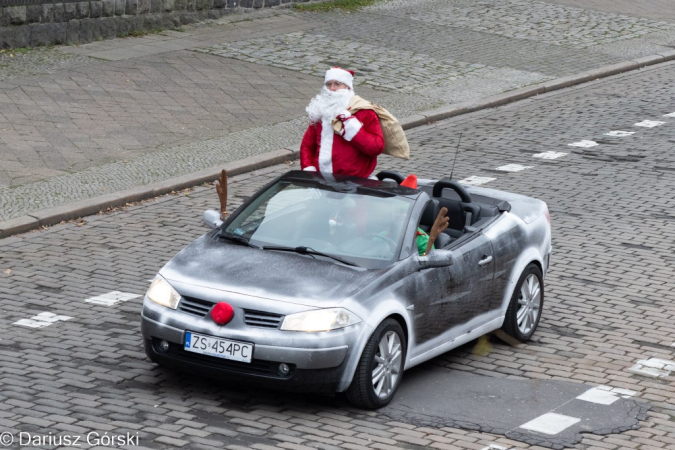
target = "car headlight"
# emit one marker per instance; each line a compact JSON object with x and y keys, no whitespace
{"x":319,"y":320}
{"x":163,"y":294}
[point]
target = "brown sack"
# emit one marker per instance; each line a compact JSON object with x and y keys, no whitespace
{"x":395,"y":142}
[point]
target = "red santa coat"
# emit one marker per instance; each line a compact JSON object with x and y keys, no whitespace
{"x":355,"y":155}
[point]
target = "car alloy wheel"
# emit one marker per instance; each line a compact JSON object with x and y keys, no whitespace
{"x":527,"y":301}
{"x":529,"y":304}
{"x":389,"y":365}
{"x":380,"y":368}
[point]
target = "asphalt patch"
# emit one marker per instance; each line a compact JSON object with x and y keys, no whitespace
{"x":446,"y":398}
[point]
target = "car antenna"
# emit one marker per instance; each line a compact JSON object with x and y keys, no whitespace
{"x":456,"y":151}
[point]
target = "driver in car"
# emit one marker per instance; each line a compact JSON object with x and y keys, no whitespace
{"x":388,"y":222}
{"x":424,"y":241}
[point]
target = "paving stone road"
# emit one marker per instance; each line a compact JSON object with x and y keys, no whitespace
{"x":74,"y":366}
{"x":655,"y":9}
{"x":81,"y":121}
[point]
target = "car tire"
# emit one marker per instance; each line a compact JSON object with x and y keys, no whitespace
{"x":380,"y":368}
{"x":527,"y":302}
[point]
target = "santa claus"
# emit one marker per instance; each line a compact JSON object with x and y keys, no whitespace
{"x":352,"y":150}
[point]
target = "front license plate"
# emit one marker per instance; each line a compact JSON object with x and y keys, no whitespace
{"x":218,"y":347}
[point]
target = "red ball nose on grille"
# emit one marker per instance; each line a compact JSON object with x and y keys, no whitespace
{"x":222,"y":313}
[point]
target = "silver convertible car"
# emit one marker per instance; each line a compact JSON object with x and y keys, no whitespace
{"x":315,"y":283}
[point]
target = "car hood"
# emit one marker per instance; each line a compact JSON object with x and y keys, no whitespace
{"x":283,"y":276}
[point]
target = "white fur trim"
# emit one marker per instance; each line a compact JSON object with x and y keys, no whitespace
{"x":310,"y":169}
{"x":351,"y":127}
{"x":340,"y":75}
{"x":326,"y":147}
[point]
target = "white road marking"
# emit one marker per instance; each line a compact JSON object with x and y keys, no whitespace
{"x":623,"y":393}
{"x":653,"y":367}
{"x":111,"y":298}
{"x":649,"y":123}
{"x":475,"y":181}
{"x":584,"y":144}
{"x":550,"y":423}
{"x":598,"y":396}
{"x":672,"y":114}
{"x":605,"y":395}
{"x":42,"y":320}
{"x":550,"y":155}
{"x":513,"y":168}
{"x":494,"y":447}
{"x":648,"y":371}
{"x":619,"y":133}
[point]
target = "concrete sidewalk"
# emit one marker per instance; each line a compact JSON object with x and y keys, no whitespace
{"x":86,"y":127}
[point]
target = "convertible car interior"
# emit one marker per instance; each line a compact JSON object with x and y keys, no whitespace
{"x":467,"y":213}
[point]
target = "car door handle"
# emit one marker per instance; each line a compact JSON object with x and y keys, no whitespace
{"x":486,"y":259}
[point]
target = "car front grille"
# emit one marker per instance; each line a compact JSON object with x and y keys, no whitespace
{"x":194,"y":306}
{"x":260,"y":319}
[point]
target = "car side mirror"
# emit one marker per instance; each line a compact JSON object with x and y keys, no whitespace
{"x":435,"y":258}
{"x":212,"y":218}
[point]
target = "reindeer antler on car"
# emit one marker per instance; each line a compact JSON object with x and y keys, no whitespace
{"x":221,"y":189}
{"x":440,"y":224}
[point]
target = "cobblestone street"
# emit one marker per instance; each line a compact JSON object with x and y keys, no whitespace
{"x":77,"y":122}
{"x":600,"y":154}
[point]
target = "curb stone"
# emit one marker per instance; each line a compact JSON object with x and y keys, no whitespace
{"x":93,"y":205}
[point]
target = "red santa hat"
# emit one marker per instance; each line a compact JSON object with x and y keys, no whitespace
{"x":341,"y":75}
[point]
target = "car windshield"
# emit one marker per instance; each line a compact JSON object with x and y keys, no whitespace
{"x":362,"y":226}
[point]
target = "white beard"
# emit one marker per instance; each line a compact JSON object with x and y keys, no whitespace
{"x":328,"y":104}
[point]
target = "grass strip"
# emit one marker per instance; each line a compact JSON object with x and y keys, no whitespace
{"x":347,"y":5}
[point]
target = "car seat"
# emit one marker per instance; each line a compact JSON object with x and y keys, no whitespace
{"x":427,"y":221}
{"x":463,"y":212}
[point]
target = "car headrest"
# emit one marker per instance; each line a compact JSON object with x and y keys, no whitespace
{"x":430,"y":213}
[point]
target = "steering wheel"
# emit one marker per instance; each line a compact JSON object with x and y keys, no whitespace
{"x":391,"y":242}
